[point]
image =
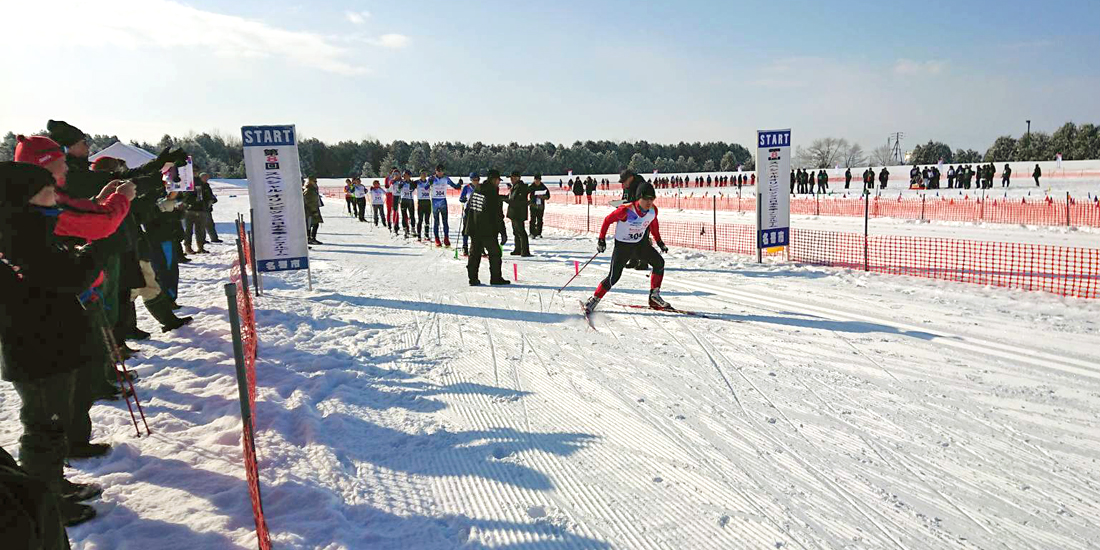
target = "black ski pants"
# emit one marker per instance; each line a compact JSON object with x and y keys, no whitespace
{"x":519,"y":235}
{"x":361,"y":208}
{"x":537,"y":214}
{"x":408,"y":215}
{"x":379,"y":212}
{"x":484,"y":245}
{"x":623,"y":252}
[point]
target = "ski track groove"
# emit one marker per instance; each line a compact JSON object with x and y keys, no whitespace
{"x":688,"y":449}
{"x":582,"y":496}
{"x":836,"y":487}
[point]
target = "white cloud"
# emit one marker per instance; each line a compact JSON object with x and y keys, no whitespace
{"x":165,"y":24}
{"x":908,"y":67}
{"x":357,"y":18}
{"x":391,"y":41}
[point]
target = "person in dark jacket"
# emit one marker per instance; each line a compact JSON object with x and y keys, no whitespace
{"x":40,"y":316}
{"x":578,"y":189}
{"x":822,"y":182}
{"x":847,"y":177}
{"x":194,"y":220}
{"x":484,"y":222}
{"x":518,"y":200}
{"x":1005,"y":175}
{"x":590,"y":188}
{"x":540,"y":195}
{"x":311,"y":198}
{"x":883,"y":178}
{"x":210,"y":199}
{"x":1038,"y":173}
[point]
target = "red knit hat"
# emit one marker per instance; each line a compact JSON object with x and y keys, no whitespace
{"x":37,"y":150}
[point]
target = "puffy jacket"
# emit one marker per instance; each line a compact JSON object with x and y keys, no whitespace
{"x":518,"y":198}
{"x":483,"y":216}
{"x":42,"y":324}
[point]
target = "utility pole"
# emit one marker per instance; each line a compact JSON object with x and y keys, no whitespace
{"x":896,"y":137}
{"x":1029,"y":130}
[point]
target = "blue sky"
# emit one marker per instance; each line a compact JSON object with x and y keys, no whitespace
{"x":960,"y":72}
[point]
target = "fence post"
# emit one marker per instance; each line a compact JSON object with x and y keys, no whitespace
{"x":1067,"y":208}
{"x":817,"y":204}
{"x":588,"y":216}
{"x":256,"y":279}
{"x":240,"y":254}
{"x":866,"y":227}
{"x":922,"y":199}
{"x":715,"y":212}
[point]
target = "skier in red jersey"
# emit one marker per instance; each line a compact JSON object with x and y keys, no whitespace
{"x":631,"y":221}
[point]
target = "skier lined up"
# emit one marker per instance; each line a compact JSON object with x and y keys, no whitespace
{"x":439,"y":184}
{"x":632,"y":221}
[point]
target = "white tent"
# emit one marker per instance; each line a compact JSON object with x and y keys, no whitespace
{"x":134,"y":156}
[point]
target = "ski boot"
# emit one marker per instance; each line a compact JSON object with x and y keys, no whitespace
{"x":446,"y":242}
{"x":590,"y":305}
{"x":465,"y":250}
{"x":656,"y":301}
{"x":438,"y":243}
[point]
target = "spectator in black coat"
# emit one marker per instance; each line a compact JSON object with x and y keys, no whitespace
{"x":484,"y":221}
{"x":518,"y":200}
{"x":42,"y":325}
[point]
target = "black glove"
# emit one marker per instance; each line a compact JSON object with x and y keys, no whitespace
{"x":503,"y":239}
{"x":661,"y":245}
{"x":601,"y":245}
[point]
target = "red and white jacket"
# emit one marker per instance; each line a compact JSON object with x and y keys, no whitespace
{"x":631,"y":223}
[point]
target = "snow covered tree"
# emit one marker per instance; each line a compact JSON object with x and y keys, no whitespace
{"x":1003,"y":150}
{"x":729,"y":162}
{"x":854,"y":156}
{"x":387,"y":165}
{"x":7,"y":147}
{"x":883,"y":155}
{"x":931,"y":153}
{"x":367,"y":171}
{"x":822,"y":153}
{"x":418,"y":159}
{"x":708,"y":166}
{"x":640,"y":164}
{"x":967,"y":157}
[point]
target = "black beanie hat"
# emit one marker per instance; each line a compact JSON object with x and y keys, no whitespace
{"x":646,"y":191}
{"x":65,"y":134}
{"x":19,"y":181}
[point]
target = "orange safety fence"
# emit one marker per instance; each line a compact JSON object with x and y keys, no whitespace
{"x":1066,"y":271}
{"x":246,"y":317}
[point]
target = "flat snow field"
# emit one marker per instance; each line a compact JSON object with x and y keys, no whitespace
{"x":399,"y":408}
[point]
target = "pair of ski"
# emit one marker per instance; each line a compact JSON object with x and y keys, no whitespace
{"x":588,"y":315}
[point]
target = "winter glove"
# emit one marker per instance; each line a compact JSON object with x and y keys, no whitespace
{"x":503,"y":239}
{"x":661,"y":245}
{"x":601,"y":245}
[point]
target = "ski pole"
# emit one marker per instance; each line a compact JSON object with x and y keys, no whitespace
{"x":123,"y":376}
{"x":578,"y":272}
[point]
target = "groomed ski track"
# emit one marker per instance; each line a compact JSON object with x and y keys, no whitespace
{"x":819,"y":409}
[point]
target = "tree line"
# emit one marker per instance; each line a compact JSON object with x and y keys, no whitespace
{"x":222,"y":155}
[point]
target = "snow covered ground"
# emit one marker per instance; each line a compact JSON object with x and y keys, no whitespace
{"x":400,"y":408}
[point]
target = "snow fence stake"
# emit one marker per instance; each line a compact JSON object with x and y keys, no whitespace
{"x":576,"y":267}
{"x":515,"y":272}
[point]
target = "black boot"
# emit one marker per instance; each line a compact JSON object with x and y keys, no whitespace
{"x":161,"y":310}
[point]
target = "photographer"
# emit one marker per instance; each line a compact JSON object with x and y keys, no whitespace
{"x":41,"y":356}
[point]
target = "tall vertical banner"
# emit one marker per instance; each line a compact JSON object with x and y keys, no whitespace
{"x":275,"y":194}
{"x":773,"y":199}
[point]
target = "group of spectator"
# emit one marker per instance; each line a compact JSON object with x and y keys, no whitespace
{"x":807,"y":181}
{"x":678,"y":182}
{"x":585,"y":187}
{"x":80,"y":243}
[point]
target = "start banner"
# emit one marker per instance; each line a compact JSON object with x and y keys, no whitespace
{"x":773,"y":195}
{"x":275,"y":193}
